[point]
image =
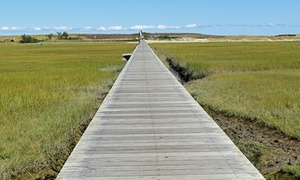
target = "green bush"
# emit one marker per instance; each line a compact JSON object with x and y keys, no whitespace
{"x":63,"y":35}
{"x":28,"y":39}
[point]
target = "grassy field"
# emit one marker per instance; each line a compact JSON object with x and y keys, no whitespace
{"x":254,"y":80}
{"x":45,"y":93}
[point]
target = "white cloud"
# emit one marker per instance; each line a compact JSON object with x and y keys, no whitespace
{"x":62,"y":28}
{"x":191,"y":26}
{"x":141,"y":27}
{"x":162,"y":27}
{"x":5,"y":28}
{"x":271,"y":24}
{"x":37,"y":29}
{"x":15,"y":28}
{"x":115,"y":28}
{"x":168,"y":27}
{"x":88,"y":28}
{"x":175,"y":27}
{"x":101,"y":28}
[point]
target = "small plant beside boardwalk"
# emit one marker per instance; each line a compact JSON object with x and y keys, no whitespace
{"x":46,"y":94}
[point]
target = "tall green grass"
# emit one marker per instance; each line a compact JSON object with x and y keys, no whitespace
{"x":254,"y":80}
{"x":219,"y":57}
{"x":45,"y":93}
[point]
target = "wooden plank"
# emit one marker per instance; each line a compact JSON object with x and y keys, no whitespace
{"x":149,"y":127}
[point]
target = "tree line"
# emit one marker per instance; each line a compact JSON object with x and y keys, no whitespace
{"x":29,"y":39}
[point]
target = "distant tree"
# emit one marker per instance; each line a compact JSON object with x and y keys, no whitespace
{"x":63,"y":35}
{"x":49,"y":36}
{"x":58,"y":35}
{"x":28,"y":39}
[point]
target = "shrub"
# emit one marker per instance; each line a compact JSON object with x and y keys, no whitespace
{"x":28,"y":39}
{"x":49,"y":36}
{"x":63,"y":35}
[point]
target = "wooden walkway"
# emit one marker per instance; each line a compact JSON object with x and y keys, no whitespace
{"x":149,"y":127}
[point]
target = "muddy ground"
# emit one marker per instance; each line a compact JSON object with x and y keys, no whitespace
{"x":267,"y":148}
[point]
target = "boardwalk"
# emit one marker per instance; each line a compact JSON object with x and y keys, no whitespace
{"x":149,"y":127}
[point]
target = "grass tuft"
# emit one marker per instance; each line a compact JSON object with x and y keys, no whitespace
{"x":292,"y":170}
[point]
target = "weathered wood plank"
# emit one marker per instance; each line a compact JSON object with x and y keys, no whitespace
{"x":149,"y":127}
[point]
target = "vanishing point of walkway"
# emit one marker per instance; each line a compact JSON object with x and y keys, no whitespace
{"x":149,"y":127}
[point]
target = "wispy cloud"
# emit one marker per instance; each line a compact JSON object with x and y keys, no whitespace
{"x":168,"y":27}
{"x":115,"y":28}
{"x":142,"y":27}
{"x":160,"y":27}
{"x":191,"y":26}
{"x":101,"y":28}
{"x":62,"y":28}
{"x":92,"y":29}
{"x":6,"y":28}
{"x":37,"y":29}
{"x":16,"y":28}
{"x":87,"y":28}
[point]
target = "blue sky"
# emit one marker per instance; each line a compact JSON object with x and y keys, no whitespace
{"x":219,"y":17}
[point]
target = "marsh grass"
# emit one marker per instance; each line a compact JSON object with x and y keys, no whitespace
{"x":271,"y":97}
{"x":253,"y":80}
{"x":219,"y":57}
{"x":293,"y":170}
{"x":45,"y":93}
